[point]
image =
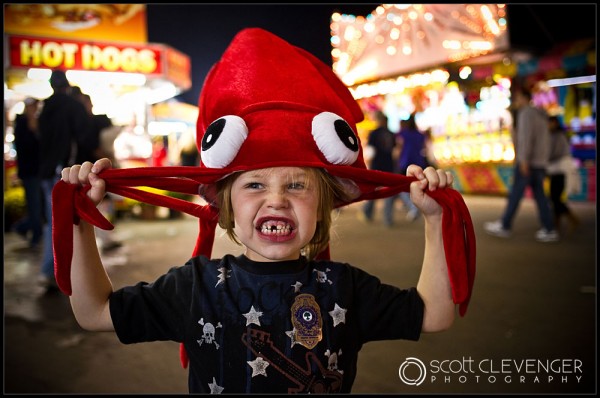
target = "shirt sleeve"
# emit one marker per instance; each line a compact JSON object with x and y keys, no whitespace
{"x":386,"y":312}
{"x":156,"y":311}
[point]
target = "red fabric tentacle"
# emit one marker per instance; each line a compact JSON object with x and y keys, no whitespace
{"x":208,"y":217}
{"x":325,"y":254}
{"x":457,"y":224}
{"x":70,"y":203}
{"x":183,"y":356}
{"x":63,"y":217}
{"x":459,"y":245}
{"x":155,"y":199}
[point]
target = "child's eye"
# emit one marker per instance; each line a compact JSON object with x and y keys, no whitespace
{"x":296,"y":185}
{"x":253,"y":185}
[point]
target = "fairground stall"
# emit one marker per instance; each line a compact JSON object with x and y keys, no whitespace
{"x":104,"y":51}
{"x":452,"y":65}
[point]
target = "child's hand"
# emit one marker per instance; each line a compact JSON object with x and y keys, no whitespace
{"x":431,"y":179}
{"x":87,"y":174}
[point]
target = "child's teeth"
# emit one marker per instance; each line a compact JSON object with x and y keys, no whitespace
{"x":278,"y":228}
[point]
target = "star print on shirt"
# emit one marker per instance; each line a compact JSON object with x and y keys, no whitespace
{"x":338,"y":314}
{"x":224,"y":273}
{"x":297,"y":286}
{"x":252,"y":316}
{"x":292,"y":335}
{"x":259,"y":366}
{"x":214,"y":387}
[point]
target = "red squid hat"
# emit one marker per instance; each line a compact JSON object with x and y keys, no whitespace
{"x":266,"y":103}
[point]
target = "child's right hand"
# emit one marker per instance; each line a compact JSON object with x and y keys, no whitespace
{"x":87,"y":174}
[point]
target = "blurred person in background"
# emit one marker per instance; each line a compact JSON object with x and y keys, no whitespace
{"x":91,"y":148}
{"x":188,"y":155}
{"x":428,"y":150}
{"x":532,"y":151}
{"x":159,"y":152}
{"x":27,"y":145}
{"x":411,"y":143}
{"x":381,"y":141}
{"x":61,"y":122}
{"x":560,"y":170}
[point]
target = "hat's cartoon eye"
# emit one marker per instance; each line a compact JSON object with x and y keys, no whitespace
{"x":222,"y":141}
{"x":335,"y":138}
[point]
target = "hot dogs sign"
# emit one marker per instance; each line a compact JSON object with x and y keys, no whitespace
{"x":89,"y":37}
{"x":33,"y":52}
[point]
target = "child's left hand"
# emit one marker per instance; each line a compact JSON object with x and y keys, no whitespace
{"x":430,"y":179}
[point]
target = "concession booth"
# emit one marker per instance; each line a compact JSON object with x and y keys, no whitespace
{"x":452,"y":65}
{"x":104,"y":51}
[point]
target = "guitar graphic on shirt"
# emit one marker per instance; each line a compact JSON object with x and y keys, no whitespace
{"x":327,"y":381}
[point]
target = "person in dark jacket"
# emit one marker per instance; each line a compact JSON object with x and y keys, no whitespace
{"x":27,"y":146}
{"x":89,"y":148}
{"x":61,"y":122}
{"x":382,"y":141}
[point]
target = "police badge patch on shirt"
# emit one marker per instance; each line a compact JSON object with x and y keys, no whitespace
{"x":307,"y":321}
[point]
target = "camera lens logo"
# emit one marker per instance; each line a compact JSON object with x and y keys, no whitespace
{"x":412,"y":371}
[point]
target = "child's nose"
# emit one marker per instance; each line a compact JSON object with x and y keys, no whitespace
{"x":277,"y":199}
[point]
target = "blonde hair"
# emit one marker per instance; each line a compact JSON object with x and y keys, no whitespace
{"x":329,"y":191}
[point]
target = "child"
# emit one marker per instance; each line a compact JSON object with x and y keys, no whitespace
{"x":560,"y":170}
{"x":278,"y":154}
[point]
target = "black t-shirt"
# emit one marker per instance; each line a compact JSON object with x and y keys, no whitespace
{"x":252,"y":327}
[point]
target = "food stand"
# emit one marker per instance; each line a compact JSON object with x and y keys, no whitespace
{"x":452,"y":65}
{"x":103,"y":50}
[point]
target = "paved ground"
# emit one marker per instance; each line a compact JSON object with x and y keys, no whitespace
{"x":530,"y":327}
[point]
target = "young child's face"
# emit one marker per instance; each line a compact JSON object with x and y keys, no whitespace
{"x":275,"y":212}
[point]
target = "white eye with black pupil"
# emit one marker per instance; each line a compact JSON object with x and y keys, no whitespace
{"x":335,"y":138}
{"x":222,"y":141}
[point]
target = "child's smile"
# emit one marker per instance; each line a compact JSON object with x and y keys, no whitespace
{"x":276,"y":229}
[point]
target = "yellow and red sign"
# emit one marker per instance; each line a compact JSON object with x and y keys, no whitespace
{"x":35,"y":52}
{"x":55,"y":53}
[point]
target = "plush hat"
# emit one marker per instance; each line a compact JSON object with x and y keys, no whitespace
{"x":267,"y":103}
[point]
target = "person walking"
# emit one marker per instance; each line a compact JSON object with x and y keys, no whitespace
{"x":381,"y":141}
{"x":428,"y":150}
{"x":62,"y":119}
{"x":532,"y":152}
{"x":27,"y":146}
{"x":90,"y":149}
{"x":188,"y":154}
{"x":559,"y":170}
{"x":411,"y":143}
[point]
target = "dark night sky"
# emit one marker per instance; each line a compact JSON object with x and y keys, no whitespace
{"x":203,"y":31}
